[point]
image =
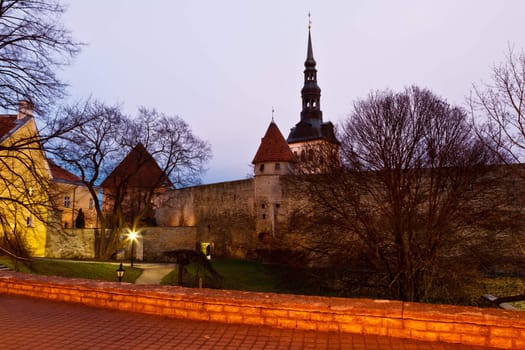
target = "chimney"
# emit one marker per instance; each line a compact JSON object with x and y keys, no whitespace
{"x":25,"y":109}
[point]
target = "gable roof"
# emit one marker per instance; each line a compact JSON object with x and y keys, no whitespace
{"x":273,"y":147}
{"x":61,"y":174}
{"x":137,"y":170}
{"x":8,"y":124}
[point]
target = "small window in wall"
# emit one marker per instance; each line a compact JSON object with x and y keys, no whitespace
{"x":262,"y":205}
{"x":264,"y":216}
{"x":91,"y":204}
{"x":29,"y":221}
{"x":67,"y":201}
{"x":261,"y":168}
{"x":310,"y":155}
{"x":277,"y":205}
{"x":277,"y":166}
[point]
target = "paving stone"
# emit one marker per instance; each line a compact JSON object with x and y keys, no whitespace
{"x":28,"y":324}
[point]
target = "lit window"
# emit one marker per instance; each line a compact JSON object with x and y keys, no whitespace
{"x":67,"y":202}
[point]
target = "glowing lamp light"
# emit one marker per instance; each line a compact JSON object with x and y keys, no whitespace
{"x":120,"y":272}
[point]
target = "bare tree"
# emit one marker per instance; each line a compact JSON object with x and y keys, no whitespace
{"x":33,"y":45}
{"x":103,"y":138}
{"x":91,"y":149}
{"x":414,"y":191}
{"x":179,"y":158}
{"x":500,"y":104}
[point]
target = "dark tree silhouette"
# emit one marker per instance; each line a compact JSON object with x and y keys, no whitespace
{"x":33,"y":45}
{"x":80,"y":221}
{"x":415,"y":190}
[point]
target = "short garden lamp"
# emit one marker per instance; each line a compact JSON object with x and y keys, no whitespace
{"x":120,"y":272}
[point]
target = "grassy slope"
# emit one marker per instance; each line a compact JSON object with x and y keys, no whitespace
{"x":97,"y":271}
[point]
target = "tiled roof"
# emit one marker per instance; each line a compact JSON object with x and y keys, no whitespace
{"x":138,"y":170}
{"x":7,"y":123}
{"x":273,"y":147}
{"x":59,"y":173}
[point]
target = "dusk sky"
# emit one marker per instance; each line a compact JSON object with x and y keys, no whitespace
{"x":222,"y":65}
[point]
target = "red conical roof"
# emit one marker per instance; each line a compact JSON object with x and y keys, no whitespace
{"x":273,"y":148}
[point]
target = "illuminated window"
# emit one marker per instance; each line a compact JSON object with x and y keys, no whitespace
{"x":67,"y":202}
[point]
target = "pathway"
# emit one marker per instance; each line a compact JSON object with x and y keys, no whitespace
{"x":153,"y":273}
{"x":44,"y":324}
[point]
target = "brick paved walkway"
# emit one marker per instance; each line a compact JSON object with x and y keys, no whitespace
{"x":27,"y":323}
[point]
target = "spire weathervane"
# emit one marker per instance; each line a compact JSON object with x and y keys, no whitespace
{"x":309,"y":20}
{"x":273,"y":110}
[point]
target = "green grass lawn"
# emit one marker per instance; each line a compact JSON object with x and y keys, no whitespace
{"x":243,"y":275}
{"x":64,"y":268}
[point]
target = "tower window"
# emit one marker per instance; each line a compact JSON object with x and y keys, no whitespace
{"x":264,"y":216}
{"x":91,"y":203}
{"x":261,"y":168}
{"x":277,"y":166}
{"x":29,"y":221}
{"x":67,"y":201}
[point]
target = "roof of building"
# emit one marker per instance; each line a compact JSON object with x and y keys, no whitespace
{"x":137,"y":170}
{"x":7,"y":124}
{"x":273,"y":147}
{"x":61,"y":174}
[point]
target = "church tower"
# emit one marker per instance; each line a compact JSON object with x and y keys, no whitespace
{"x":313,"y":143}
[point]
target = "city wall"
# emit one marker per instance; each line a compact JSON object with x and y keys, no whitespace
{"x":452,"y":324}
{"x":221,"y":213}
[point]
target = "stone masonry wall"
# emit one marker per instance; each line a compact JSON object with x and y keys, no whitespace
{"x":222,"y":213}
{"x":70,"y":243}
{"x":452,"y":324}
{"x":157,"y":240}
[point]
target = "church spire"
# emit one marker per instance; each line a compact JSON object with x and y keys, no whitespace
{"x":310,"y":61}
{"x":311,"y":92}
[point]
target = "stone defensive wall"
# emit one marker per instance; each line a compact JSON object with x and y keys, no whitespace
{"x":221,"y":212}
{"x":426,"y":322}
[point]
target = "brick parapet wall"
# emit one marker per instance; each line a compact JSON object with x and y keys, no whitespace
{"x":452,"y":324}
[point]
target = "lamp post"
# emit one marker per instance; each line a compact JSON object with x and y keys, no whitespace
{"x":133,"y":237}
{"x":120,"y":272}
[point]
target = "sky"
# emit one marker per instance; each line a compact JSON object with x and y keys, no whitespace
{"x":223,"y":65}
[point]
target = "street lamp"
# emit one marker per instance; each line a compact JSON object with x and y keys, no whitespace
{"x":132,"y":235}
{"x":120,"y":272}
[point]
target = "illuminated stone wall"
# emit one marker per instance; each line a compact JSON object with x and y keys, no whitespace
{"x":435,"y":323}
{"x":222,"y":213}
